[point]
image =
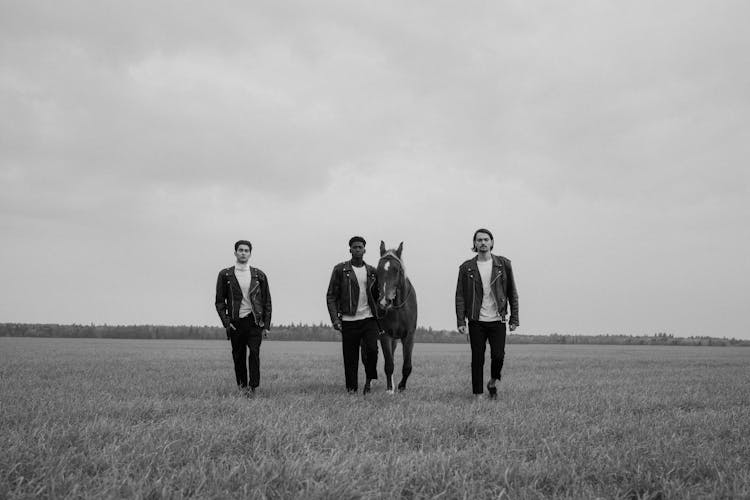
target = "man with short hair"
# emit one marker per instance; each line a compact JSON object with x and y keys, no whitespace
{"x":243,"y":302}
{"x":351,"y":298}
{"x":486,"y":289}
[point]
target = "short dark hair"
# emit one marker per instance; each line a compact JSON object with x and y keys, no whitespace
{"x":243,"y":242}
{"x":474,"y":239}
{"x":355,"y":239}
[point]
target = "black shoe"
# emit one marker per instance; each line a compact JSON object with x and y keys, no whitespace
{"x":492,"y":390}
{"x":367,"y":388}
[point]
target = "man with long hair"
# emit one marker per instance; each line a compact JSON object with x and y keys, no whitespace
{"x":485,"y":291}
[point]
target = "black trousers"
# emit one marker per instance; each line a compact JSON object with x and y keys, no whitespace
{"x":246,"y":341}
{"x":480,"y":333}
{"x":352,"y":334}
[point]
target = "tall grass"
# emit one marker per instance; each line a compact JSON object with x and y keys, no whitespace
{"x":86,"y":418}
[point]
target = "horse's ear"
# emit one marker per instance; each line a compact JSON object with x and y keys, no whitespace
{"x":400,"y":249}
{"x":382,"y":248}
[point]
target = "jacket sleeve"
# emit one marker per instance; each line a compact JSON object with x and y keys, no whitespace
{"x":266,"y":304}
{"x":512,"y":294}
{"x":375,"y":290}
{"x":460,"y":304}
{"x":221,"y":301}
{"x":332,"y":296}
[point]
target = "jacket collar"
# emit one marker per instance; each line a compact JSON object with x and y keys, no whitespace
{"x":348,"y":266}
{"x":496,"y":260}
{"x":229,"y":271}
{"x":497,"y":267}
{"x":253,"y":270}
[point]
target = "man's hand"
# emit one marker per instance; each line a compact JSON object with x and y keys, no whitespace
{"x":337,"y":325}
{"x":463,"y":329}
{"x":513,"y":327}
{"x":230,"y":329}
{"x":265,"y":333}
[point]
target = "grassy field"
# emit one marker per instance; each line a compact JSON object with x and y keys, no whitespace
{"x":162,"y":419}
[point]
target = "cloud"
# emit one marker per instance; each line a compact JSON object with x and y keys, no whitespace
{"x":154,"y":134}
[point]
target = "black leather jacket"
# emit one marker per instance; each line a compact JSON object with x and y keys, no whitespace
{"x":469,"y":290}
{"x":229,"y":297}
{"x":343,"y":291}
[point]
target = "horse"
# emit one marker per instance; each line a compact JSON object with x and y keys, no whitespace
{"x":397,"y":311}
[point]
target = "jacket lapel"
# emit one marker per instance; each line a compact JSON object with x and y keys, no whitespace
{"x":474,"y":273}
{"x":497,"y":268}
{"x":233,"y":279}
{"x":253,"y":280}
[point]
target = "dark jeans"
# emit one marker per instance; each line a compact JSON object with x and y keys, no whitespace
{"x":246,"y":339}
{"x":481,"y":332}
{"x":352,"y":334}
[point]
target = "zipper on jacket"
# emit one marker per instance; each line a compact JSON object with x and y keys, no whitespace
{"x":231,"y":301}
{"x":250,"y":299}
{"x":349,"y":283}
{"x":474,"y":293}
{"x":496,"y":277}
{"x":474,"y":300}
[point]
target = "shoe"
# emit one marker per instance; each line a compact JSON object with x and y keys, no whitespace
{"x":492,"y":391}
{"x":367,"y":388}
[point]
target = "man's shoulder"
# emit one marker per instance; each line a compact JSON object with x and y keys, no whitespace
{"x":226,"y":271}
{"x":258,"y":271}
{"x":467,"y":263}
{"x":340,"y":265}
{"x":501,"y":259}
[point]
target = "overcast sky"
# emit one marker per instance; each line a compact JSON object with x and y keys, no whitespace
{"x":604,"y":143}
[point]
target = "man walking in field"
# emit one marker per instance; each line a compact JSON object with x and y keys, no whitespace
{"x":485,"y":291}
{"x":243,"y":302}
{"x":351,"y":299}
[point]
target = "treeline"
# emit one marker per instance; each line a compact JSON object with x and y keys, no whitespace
{"x":323,"y":332}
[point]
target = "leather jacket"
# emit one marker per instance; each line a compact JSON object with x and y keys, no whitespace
{"x":229,"y":297}
{"x":343,"y":291}
{"x":469,"y":291}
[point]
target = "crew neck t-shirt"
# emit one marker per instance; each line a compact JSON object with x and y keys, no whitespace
{"x":244,"y":277}
{"x":489,"y":311}
{"x":363,"y":308}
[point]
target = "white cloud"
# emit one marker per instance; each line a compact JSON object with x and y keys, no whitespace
{"x":602,"y":142}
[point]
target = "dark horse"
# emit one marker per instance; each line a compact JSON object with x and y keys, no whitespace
{"x":398,"y":312}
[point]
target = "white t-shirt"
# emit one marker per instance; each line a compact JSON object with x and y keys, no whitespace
{"x":363,"y":308}
{"x":489,"y":311}
{"x":244,"y":278}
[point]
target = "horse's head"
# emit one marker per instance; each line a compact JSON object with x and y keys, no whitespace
{"x":391,"y":277}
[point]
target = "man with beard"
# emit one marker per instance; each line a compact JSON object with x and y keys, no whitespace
{"x":486,"y":289}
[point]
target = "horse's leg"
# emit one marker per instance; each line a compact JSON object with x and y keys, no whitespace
{"x":387,"y":346}
{"x":407,"y":344}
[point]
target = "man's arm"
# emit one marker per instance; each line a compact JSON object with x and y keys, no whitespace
{"x":512,"y":294}
{"x":221,"y":303}
{"x":460,"y":305}
{"x":332,"y":297}
{"x":266,"y":304}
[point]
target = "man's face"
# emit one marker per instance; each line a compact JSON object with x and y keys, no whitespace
{"x":242,"y":253}
{"x":483,"y":242}
{"x":357,"y":250}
